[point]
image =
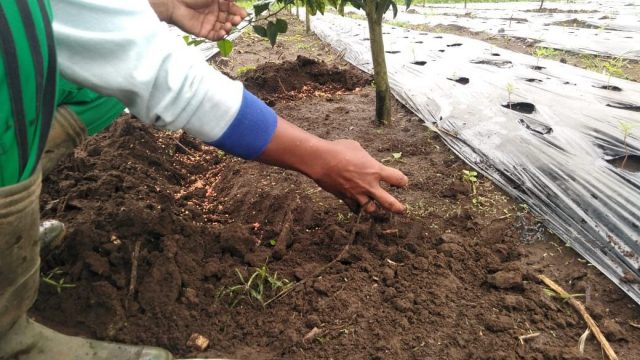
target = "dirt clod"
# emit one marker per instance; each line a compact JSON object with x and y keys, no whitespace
{"x":505,"y":279}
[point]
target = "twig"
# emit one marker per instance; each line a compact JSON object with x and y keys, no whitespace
{"x":134,"y":268}
{"x":583,"y":312}
{"x":522,"y":338}
{"x":635,"y":325}
{"x":583,"y":340}
{"x":325,"y":267}
{"x":184,"y":148}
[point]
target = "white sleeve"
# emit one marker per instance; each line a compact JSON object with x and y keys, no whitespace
{"x":120,"y":48}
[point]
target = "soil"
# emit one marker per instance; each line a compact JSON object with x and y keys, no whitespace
{"x":452,"y":278}
{"x":560,"y":11}
{"x":576,"y":23}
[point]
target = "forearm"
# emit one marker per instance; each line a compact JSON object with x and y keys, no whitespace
{"x":295,"y":149}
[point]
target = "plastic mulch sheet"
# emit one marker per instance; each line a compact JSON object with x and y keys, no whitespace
{"x":557,"y":146}
{"x":608,"y":28}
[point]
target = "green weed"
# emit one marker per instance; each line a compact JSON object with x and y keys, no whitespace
{"x":55,"y":278}
{"x":244,"y":69}
{"x":261,"y":287}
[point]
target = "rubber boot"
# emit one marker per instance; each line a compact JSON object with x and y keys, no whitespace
{"x":51,"y":234}
{"x":20,"y":337}
{"x":67,"y":132}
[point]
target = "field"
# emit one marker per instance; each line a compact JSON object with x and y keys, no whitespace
{"x":166,"y":233}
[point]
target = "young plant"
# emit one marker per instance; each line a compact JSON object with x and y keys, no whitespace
{"x":471,"y":178}
{"x":541,"y":4}
{"x":191,"y":40}
{"x":611,"y":67}
{"x":510,"y":90}
{"x":375,"y":10}
{"x":541,"y":52}
{"x":626,"y":129}
{"x":55,"y":278}
{"x":395,"y":157}
{"x":258,"y":287}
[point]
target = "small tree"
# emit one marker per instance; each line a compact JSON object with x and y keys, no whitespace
{"x":541,"y":4}
{"x":375,"y":10}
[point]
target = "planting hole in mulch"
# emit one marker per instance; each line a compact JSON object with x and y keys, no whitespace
{"x":392,"y":52}
{"x":533,"y":80}
{"x":536,"y":126}
{"x":624,"y":106}
{"x":459,"y":79}
{"x":454,"y":45}
{"x":493,"y":62}
{"x":520,"y":106}
{"x":537,"y":67}
{"x":608,"y":87}
{"x":419,"y":63}
{"x":631,"y":164}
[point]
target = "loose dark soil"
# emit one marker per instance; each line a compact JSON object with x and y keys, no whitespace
{"x":449,"y":280}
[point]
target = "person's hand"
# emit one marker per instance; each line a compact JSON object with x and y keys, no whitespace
{"x":341,"y":167}
{"x":210,"y":19}
{"x":355,"y":177}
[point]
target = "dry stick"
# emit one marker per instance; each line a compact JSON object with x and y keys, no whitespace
{"x":522,"y":338}
{"x":297,"y":285}
{"x":134,"y":269}
{"x":581,"y":309}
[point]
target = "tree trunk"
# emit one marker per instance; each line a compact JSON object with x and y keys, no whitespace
{"x":541,"y":4}
{"x":465,"y":4}
{"x":383,"y":100}
{"x":297,"y":11}
{"x":307,"y":20}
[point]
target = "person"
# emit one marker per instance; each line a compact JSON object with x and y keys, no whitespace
{"x":121,"y":49}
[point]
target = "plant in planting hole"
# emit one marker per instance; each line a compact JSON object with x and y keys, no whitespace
{"x":375,"y":10}
{"x":626,"y":129}
{"x":541,"y":52}
{"x":257,"y":287}
{"x":471,"y":178}
{"x":610,"y":67}
{"x":55,"y":278}
{"x":510,"y":90}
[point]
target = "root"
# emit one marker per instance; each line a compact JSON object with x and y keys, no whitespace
{"x":583,"y":312}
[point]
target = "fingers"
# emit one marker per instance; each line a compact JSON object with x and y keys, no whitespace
{"x":387,"y":201}
{"x":393,"y":177}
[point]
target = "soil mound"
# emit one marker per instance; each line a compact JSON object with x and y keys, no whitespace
{"x":290,"y":80}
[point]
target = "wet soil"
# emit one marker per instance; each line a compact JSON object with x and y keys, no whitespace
{"x":161,"y":229}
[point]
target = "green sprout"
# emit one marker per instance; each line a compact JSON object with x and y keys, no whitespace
{"x":610,"y":67}
{"x":510,"y":90}
{"x":471,"y":178}
{"x":55,"y":278}
{"x":395,"y":157}
{"x":626,"y":129}
{"x":257,"y":288}
{"x":541,"y":52}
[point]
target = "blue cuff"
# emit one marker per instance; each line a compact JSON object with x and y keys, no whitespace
{"x":251,"y":131}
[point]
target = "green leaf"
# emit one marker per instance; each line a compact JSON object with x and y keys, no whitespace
{"x":225,"y":46}
{"x":261,"y":7}
{"x":320,"y":4}
{"x":394,"y":7}
{"x":273,"y":242}
{"x":260,"y":30}
{"x":186,"y":39}
{"x":272,"y":33}
{"x":281,"y":26}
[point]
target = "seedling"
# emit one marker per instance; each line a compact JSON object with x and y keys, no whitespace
{"x":626,"y":129}
{"x":611,"y":67}
{"x":55,"y":278}
{"x":541,"y":52}
{"x":471,"y":178}
{"x":510,"y":90}
{"x":395,"y":157}
{"x":258,"y":287}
